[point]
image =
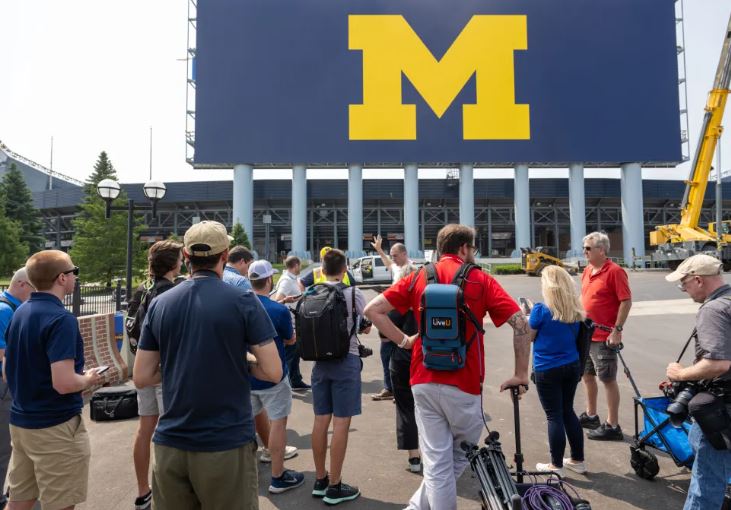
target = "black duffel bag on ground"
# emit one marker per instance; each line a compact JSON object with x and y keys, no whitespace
{"x":113,"y":403}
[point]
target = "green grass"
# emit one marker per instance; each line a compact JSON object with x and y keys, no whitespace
{"x":507,"y":269}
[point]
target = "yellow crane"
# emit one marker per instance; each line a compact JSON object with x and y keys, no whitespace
{"x":677,"y":242}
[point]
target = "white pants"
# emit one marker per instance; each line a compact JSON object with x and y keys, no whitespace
{"x":445,"y":416}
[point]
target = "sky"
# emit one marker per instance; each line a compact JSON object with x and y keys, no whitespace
{"x":96,"y":75}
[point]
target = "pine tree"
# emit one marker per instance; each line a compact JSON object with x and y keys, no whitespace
{"x":14,"y":252}
{"x":240,"y":236}
{"x":100,"y":244}
{"x":19,"y":208}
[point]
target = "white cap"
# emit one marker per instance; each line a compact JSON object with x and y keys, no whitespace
{"x":697,"y":265}
{"x":260,"y":269}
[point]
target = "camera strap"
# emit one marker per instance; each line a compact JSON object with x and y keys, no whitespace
{"x":694,"y":334}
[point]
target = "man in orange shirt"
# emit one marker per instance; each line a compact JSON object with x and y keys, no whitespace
{"x":607,"y":300}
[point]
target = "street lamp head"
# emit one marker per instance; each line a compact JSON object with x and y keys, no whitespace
{"x":108,"y":189}
{"x":155,"y":190}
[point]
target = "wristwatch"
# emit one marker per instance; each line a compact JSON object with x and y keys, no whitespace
{"x":619,"y":328}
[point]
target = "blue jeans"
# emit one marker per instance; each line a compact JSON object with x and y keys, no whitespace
{"x":556,"y":388}
{"x":387,"y":348}
{"x":711,"y":472}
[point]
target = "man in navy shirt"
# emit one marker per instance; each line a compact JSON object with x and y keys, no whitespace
{"x":195,"y":340}
{"x":18,"y":293}
{"x":44,"y":367}
{"x":275,"y":398}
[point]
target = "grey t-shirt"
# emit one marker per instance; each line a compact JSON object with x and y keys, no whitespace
{"x":713,"y":325}
{"x":360,"y":303}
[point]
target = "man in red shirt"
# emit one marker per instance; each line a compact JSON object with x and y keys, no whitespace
{"x":607,"y":300}
{"x":449,"y":403}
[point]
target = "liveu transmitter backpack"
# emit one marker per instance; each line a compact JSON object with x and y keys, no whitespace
{"x":321,"y":320}
{"x":444,"y":317}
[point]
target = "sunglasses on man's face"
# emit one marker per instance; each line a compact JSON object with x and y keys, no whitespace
{"x":588,"y":248}
{"x":74,"y":270}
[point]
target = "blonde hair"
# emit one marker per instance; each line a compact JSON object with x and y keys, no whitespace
{"x":560,"y":295}
{"x":405,"y":270}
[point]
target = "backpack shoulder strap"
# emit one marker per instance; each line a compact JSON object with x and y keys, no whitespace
{"x":12,"y":305}
{"x":429,"y":270}
{"x":462,"y":272}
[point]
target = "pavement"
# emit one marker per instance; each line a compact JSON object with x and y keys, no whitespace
{"x":660,"y":322}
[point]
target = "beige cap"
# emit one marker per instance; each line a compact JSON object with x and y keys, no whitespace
{"x":697,"y":265}
{"x":206,"y":238}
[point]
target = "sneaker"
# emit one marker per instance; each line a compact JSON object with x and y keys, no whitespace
{"x":289,"y":480}
{"x":384,"y":394}
{"x":289,"y":452}
{"x":606,"y":432}
{"x":340,"y":493}
{"x":544,"y":468}
{"x":144,"y":502}
{"x":589,"y":422}
{"x":576,"y":467}
{"x":320,"y":488}
{"x":303,"y":386}
{"x":415,"y":464}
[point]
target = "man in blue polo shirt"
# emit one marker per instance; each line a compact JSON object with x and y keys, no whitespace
{"x":195,"y":340}
{"x":18,"y":292}
{"x":237,"y":267}
{"x":44,"y":362}
{"x":275,"y":398}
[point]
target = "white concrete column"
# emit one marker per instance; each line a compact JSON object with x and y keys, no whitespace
{"x":522,"y":209}
{"x":355,"y":211}
{"x":466,"y":195}
{"x":299,"y":211}
{"x":577,"y":209}
{"x":411,"y":210}
{"x":633,"y":221}
{"x":243,"y":199}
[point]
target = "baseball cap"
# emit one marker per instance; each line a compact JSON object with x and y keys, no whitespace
{"x":260,"y":269}
{"x":206,"y":238}
{"x":697,"y":265}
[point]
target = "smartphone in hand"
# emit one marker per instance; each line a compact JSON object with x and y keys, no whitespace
{"x":101,"y":369}
{"x":526,"y":305}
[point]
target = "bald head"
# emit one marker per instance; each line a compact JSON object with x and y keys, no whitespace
{"x":20,"y":287}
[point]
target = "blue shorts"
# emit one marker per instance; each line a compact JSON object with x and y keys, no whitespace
{"x":336,"y":387}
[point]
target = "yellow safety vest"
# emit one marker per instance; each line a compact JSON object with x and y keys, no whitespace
{"x":319,"y":277}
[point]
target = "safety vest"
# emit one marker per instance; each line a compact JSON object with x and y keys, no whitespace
{"x":319,"y":277}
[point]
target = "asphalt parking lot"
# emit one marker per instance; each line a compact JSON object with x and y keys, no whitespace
{"x":661,"y":321}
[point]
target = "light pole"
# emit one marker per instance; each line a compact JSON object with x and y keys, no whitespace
{"x":109,"y":190}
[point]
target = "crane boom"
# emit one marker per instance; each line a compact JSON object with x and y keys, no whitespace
{"x":695,"y":186}
{"x":678,"y":241}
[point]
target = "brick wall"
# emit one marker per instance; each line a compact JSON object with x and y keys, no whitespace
{"x":100,"y":347}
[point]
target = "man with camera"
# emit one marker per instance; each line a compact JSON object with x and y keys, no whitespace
{"x":709,"y":378}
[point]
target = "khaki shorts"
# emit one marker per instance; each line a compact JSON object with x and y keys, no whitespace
{"x":185,"y":480}
{"x":601,"y":362}
{"x":50,"y":464}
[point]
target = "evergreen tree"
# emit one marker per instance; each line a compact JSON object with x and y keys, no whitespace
{"x":14,"y":252}
{"x":19,"y":208}
{"x":100,"y":244}
{"x":240,"y":236}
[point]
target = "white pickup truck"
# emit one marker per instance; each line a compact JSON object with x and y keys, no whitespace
{"x":370,"y":269}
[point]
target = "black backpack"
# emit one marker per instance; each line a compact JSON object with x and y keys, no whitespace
{"x":136,"y":315}
{"x":321,"y":320}
{"x":12,"y":305}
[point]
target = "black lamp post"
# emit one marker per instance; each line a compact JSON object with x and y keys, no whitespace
{"x":109,"y":190}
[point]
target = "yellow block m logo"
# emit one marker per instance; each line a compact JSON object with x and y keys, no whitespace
{"x":484,"y":47}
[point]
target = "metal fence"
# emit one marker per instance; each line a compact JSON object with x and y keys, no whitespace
{"x":92,"y":299}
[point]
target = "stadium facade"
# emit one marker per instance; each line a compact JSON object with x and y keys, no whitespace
{"x":327,"y":210}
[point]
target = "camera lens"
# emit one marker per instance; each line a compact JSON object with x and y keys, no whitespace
{"x":678,"y":408}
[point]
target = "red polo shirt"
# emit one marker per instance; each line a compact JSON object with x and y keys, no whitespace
{"x":601,"y":294}
{"x":482,"y":295}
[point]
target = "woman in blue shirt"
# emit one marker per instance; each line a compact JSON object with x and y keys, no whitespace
{"x":555,"y":324}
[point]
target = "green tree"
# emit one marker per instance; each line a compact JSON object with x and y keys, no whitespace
{"x":240,"y":236}
{"x":14,"y":252}
{"x":100,"y":244}
{"x":19,"y":208}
